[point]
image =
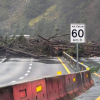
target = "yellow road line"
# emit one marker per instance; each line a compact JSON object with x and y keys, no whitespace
{"x":97,"y":74}
{"x":59,"y":73}
{"x":64,"y":65}
{"x":98,"y":98}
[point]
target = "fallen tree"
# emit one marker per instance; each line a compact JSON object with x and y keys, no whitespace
{"x":52,"y":46}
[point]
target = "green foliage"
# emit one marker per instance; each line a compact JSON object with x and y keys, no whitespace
{"x":5,"y":6}
{"x":44,"y":28}
{"x":21,"y":39}
{"x":36,"y":8}
{"x":70,"y":11}
{"x":6,"y":3}
{"x":6,"y":40}
{"x":78,"y":11}
{"x":72,"y":51}
{"x":3,"y":14}
{"x":94,"y":68}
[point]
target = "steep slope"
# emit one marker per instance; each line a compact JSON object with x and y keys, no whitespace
{"x":43,"y":17}
{"x":49,"y":14}
{"x":15,"y":15}
{"x":78,"y":11}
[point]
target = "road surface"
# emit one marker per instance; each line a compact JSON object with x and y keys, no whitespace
{"x":94,"y":92}
{"x":16,"y":70}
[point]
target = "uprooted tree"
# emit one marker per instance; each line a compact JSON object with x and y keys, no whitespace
{"x":20,"y":46}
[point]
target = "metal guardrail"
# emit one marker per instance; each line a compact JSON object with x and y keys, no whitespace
{"x":73,"y":62}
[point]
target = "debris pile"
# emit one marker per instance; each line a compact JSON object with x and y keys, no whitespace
{"x":22,"y":47}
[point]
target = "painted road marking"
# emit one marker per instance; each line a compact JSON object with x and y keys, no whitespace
{"x":97,"y":74}
{"x":13,"y":81}
{"x":64,"y":65}
{"x":21,"y":78}
{"x":98,"y":98}
{"x":28,"y":71}
{"x":26,"y":74}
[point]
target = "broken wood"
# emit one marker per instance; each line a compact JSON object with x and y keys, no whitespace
{"x":43,"y":38}
{"x":44,"y":46}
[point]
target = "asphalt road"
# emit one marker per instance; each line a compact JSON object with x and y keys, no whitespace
{"x":94,"y":92}
{"x":17,"y":70}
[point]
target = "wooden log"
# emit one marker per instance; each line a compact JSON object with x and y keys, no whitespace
{"x":56,"y":35}
{"x":43,"y":38}
{"x":18,"y":51}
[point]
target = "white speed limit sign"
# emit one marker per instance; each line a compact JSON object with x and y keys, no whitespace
{"x":77,"y":33}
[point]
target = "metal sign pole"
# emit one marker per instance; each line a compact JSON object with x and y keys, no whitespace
{"x":77,"y":35}
{"x":77,"y":56}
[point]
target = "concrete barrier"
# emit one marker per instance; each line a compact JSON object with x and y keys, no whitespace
{"x":86,"y":80}
{"x":75,"y":85}
{"x":6,"y":93}
{"x":69,"y":86}
{"x":63,"y":87}
{"x":38,"y":90}
{"x":22,"y":91}
{"x":79,"y":83}
{"x":50,"y":88}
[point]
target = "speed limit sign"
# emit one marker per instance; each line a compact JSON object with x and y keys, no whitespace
{"x":77,"y":33}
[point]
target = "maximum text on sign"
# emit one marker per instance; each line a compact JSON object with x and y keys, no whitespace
{"x":77,"y":33}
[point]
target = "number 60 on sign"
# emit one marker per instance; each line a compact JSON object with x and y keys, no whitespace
{"x":77,"y":33}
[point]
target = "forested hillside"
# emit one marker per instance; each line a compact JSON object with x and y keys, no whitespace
{"x":43,"y":17}
{"x":81,"y":11}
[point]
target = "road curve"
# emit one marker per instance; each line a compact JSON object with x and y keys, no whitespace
{"x":17,"y":70}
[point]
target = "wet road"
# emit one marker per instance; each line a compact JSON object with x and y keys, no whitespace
{"x":94,"y":92}
{"x":17,"y":70}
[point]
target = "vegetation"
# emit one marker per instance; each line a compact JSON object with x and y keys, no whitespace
{"x":4,"y":7}
{"x":72,"y":51}
{"x":94,"y":68}
{"x":37,"y":7}
{"x":44,"y":16}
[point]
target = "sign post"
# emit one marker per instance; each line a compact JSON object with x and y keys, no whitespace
{"x":77,"y":35}
{"x":77,"y":56}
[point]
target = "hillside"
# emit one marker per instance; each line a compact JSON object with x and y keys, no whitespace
{"x":78,"y":11}
{"x":43,"y":17}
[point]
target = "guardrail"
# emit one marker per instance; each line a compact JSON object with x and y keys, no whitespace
{"x":73,"y":62}
{"x":62,"y":87}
